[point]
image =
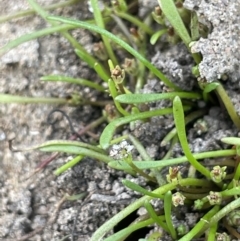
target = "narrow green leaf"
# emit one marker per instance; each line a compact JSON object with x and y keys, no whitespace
{"x":180,"y":125}
{"x":127,"y":231}
{"x":231,"y":140}
{"x":170,"y":11}
{"x":121,"y":165}
{"x":78,"y":151}
{"x":159,"y":220}
{"x":100,"y":23}
{"x":68,"y":165}
{"x":201,"y":226}
{"x":123,"y":44}
{"x":20,"y":14}
{"x":34,"y":35}
{"x":157,"y":35}
{"x":107,"y":226}
{"x":109,"y":130}
{"x":6,"y":98}
{"x":194,"y":27}
{"x":145,"y":98}
{"x":208,"y":88}
{"x":78,"y":81}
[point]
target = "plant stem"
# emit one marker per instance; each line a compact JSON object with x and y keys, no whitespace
{"x":135,"y":21}
{"x":138,"y":145}
{"x":174,"y":161}
{"x":126,"y":231}
{"x":155,"y":217}
{"x":168,"y":214}
{"x":68,"y":36}
{"x":6,"y":98}
{"x":100,"y":23}
{"x":201,"y":225}
{"x":123,"y":44}
{"x":68,"y":165}
{"x":189,"y":118}
{"x":78,"y":81}
{"x":228,"y":104}
{"x":224,"y":211}
{"x":107,"y":226}
{"x":27,"y":37}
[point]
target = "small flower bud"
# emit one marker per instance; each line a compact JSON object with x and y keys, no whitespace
{"x":99,"y":51}
{"x":118,"y":74}
{"x":137,"y":36}
{"x":183,"y":12}
{"x":130,"y":66}
{"x":198,"y":204}
{"x":218,"y":174}
{"x":222,"y":237}
{"x":158,"y":15}
{"x":178,"y":199}
{"x":110,"y":112}
{"x":174,"y":174}
{"x":214,"y":198}
{"x":182,"y":229}
{"x":172,"y":36}
{"x":119,"y":5}
{"x":233,"y":218}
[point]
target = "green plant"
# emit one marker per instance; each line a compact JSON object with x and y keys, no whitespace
{"x":217,"y":182}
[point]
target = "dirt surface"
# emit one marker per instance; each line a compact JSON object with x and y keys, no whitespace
{"x":34,"y":207}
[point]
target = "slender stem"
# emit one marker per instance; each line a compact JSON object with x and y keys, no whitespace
{"x":68,"y":165}
{"x":68,"y":36}
{"x":126,"y":231}
{"x":128,"y":160}
{"x":140,"y":189}
{"x":113,"y":92}
{"x":6,"y":98}
{"x":135,"y":21}
{"x":123,"y":44}
{"x":78,"y":81}
{"x":155,"y":217}
{"x":174,"y":161}
{"x":201,"y":225}
{"x":27,"y":37}
{"x":229,"y":105}
{"x":224,"y":211}
{"x":231,"y":192}
{"x":107,"y":226}
{"x":100,"y":23}
{"x":170,"y":11}
{"x":189,"y":118}
{"x":168,"y":213}
{"x":161,"y":181}
{"x":124,"y":29}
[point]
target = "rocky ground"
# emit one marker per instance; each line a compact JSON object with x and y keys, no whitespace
{"x":34,"y":206}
